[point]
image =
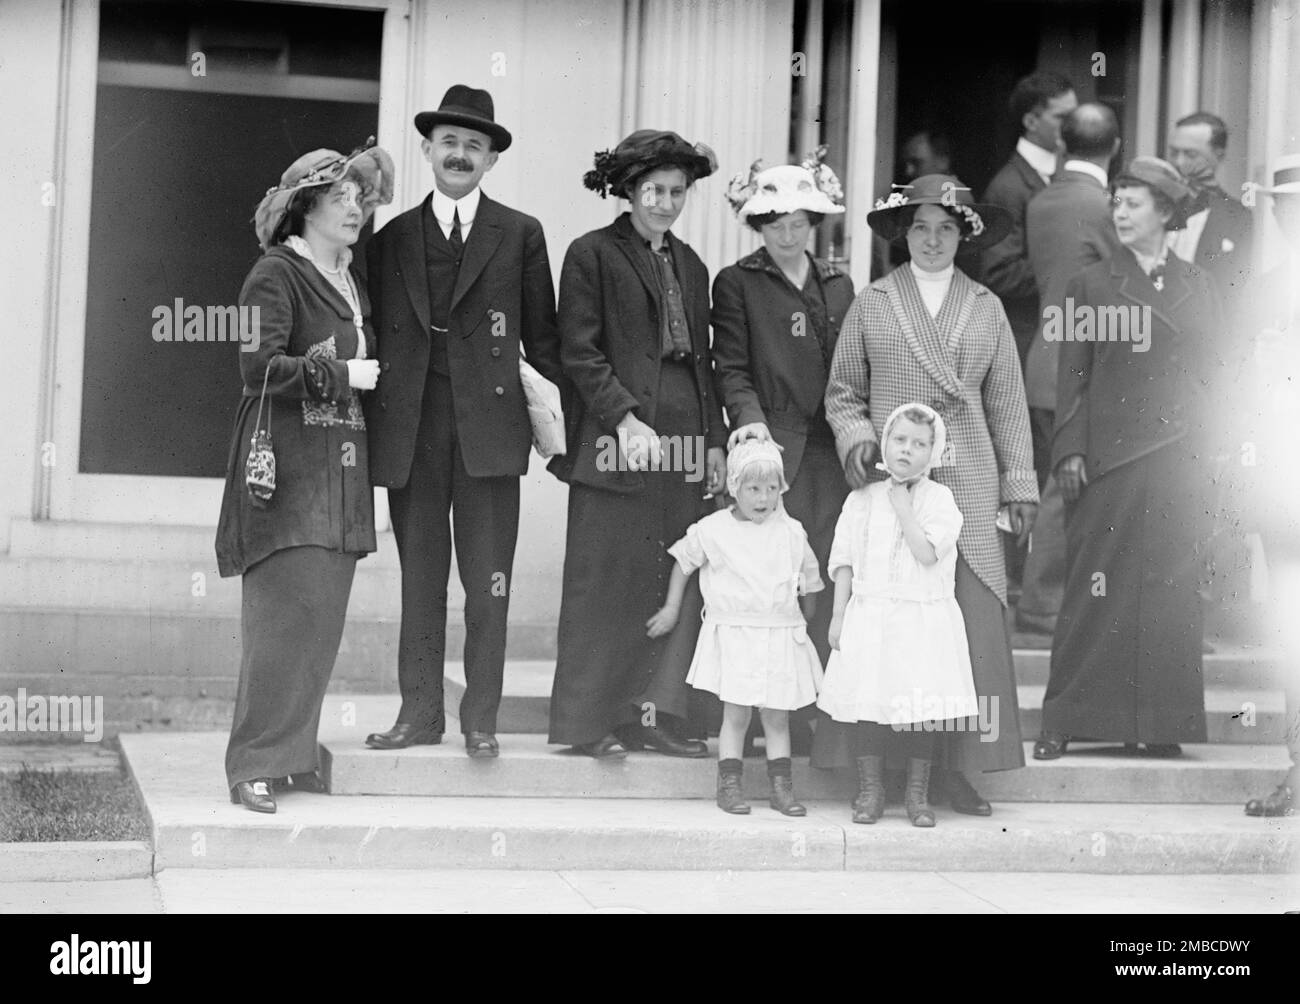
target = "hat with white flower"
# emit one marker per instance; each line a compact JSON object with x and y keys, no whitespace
{"x":983,"y":224}
{"x":811,"y":186}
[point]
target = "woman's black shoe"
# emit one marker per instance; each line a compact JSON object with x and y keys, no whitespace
{"x":964,"y":798}
{"x":255,"y":795}
{"x":658,"y":739}
{"x":608,"y":748}
{"x":1163,"y":750}
{"x":1050,"y":746}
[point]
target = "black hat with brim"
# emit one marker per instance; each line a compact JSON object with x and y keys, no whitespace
{"x":468,"y":107}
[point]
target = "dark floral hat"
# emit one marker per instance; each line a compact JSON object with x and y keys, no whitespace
{"x":646,"y":150}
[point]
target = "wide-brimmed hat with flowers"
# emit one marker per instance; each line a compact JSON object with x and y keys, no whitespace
{"x":369,"y":165}
{"x":643,"y":151}
{"x":811,"y":186}
{"x":988,"y":223}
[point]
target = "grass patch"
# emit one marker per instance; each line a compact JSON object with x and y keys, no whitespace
{"x":45,"y":805}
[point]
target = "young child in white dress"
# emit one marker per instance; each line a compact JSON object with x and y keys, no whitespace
{"x":899,"y":661}
{"x":753,"y":650}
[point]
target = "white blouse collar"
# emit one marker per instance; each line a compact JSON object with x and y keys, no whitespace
{"x":297,"y":244}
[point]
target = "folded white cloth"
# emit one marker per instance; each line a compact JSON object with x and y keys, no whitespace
{"x":544,"y":412}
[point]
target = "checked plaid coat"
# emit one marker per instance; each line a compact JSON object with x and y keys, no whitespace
{"x":964,"y":365}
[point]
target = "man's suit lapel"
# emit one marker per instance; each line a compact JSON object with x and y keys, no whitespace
{"x":484,"y":238}
{"x":919,"y":328}
{"x":410,"y":256}
{"x":1032,"y":179}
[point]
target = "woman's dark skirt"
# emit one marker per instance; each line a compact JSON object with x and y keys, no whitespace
{"x":815,"y":499}
{"x":992,"y":742}
{"x":1126,"y":657}
{"x":294,"y":605}
{"x":616,"y":569}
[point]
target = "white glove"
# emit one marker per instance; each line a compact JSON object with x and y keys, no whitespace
{"x":363,"y":374}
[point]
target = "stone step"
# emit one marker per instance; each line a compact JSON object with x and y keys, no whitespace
{"x":195,"y":826}
{"x":530,"y":768}
{"x":1236,"y":712}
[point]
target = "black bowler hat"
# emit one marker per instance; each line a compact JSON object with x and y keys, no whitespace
{"x":465,"y":106}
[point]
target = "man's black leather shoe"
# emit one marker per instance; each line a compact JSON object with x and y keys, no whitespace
{"x":481,"y":745}
{"x":403,"y":735}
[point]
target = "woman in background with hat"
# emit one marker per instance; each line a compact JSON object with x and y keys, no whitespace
{"x":1129,"y":451}
{"x":928,"y":333}
{"x":295,"y":519}
{"x":634,"y":341}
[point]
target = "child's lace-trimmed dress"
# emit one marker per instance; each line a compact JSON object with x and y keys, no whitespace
{"x":903,"y":654}
{"x":753,"y":647}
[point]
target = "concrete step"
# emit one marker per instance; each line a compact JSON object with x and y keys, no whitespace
{"x":1236,"y":712}
{"x":530,"y":768}
{"x":195,"y":826}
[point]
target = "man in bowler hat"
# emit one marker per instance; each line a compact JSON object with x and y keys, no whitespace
{"x":458,"y":284}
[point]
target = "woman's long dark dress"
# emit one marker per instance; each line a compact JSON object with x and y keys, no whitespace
{"x":1126,"y":656}
{"x":616,"y":566}
{"x":772,"y":345}
{"x":297,"y":555}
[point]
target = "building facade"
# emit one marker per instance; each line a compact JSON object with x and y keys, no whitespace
{"x":141,"y":133}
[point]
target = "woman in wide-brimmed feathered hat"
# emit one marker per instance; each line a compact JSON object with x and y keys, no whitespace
{"x":297,"y":516}
{"x":928,"y":333}
{"x":647,"y":437}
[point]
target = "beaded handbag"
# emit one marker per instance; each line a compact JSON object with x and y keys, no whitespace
{"x":259,"y":468}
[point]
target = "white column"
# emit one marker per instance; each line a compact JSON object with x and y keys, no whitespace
{"x":1225,"y":80}
{"x":1184,"y":70}
{"x":861,"y":181}
{"x":811,"y":96}
{"x":1147,"y":139}
{"x":717,"y":72}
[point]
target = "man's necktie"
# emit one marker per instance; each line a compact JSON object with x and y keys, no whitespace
{"x":454,"y":239}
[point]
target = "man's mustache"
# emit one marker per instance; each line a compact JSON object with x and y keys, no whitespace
{"x":457,"y":164}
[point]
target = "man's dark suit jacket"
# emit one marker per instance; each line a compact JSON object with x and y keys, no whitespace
{"x":503,"y":297}
{"x":1068,"y":226}
{"x":1224,"y":247}
{"x":1005,"y":266}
